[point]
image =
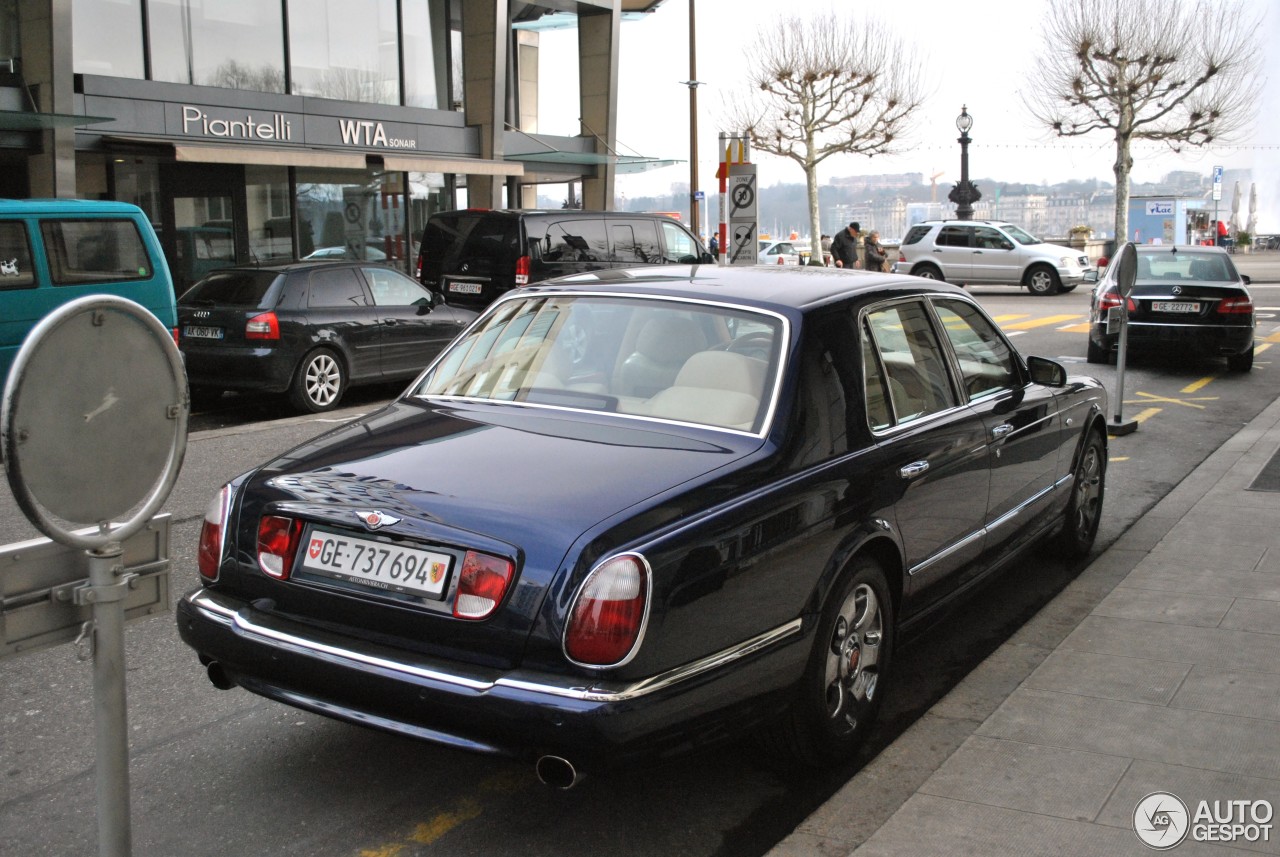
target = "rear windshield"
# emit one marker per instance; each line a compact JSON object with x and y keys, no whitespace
{"x":484,"y":242}
{"x":231,"y":288}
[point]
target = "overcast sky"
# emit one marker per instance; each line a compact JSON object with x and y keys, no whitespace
{"x":1002,"y":38}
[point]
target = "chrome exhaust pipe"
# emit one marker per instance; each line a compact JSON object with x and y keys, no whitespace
{"x":557,"y":773}
{"x":219,"y":676}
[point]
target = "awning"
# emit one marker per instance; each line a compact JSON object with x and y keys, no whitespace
{"x":30,"y":120}
{"x":623,"y":163}
{"x":271,"y":156}
{"x":469,"y":166}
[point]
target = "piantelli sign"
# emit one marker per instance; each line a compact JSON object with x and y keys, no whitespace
{"x":249,"y":126}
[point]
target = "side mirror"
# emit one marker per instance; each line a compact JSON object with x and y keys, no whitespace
{"x":1047,"y":372}
{"x":1246,"y":279}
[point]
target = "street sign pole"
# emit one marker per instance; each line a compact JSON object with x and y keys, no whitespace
{"x":1126,"y":274}
{"x":106,"y":592}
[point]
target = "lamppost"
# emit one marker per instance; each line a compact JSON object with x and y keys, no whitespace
{"x":966,"y":193}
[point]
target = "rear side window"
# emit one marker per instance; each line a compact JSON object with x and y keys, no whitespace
{"x":954,"y":236}
{"x":337,"y":287}
{"x":483,"y":241}
{"x":15,"y":257}
{"x":915,"y":234}
{"x":232,"y":288}
{"x":94,"y":251}
{"x":635,"y":242}
{"x":576,"y":241}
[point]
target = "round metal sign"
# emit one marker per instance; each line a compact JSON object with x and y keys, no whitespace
{"x":1127,"y":268}
{"x":94,"y":421}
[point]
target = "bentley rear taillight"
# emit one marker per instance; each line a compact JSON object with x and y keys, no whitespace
{"x":212,"y":531}
{"x":481,"y":585}
{"x":607,"y":618}
{"x":277,"y":545}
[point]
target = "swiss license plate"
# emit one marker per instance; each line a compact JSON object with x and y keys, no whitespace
{"x":196,"y":332}
{"x":464,"y":288}
{"x":377,"y":564}
{"x":1175,"y":306}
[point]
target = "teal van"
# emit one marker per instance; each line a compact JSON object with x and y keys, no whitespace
{"x":56,"y":250}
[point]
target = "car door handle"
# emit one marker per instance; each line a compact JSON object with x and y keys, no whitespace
{"x":914,"y":469}
{"x":391,"y":322}
{"x":1001,"y":430}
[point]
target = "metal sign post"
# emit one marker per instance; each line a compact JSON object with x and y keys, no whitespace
{"x":1126,"y":274}
{"x":94,"y":428}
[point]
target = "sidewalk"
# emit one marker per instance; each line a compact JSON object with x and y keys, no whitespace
{"x":1156,"y":670}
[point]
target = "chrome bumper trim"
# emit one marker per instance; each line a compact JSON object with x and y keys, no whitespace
{"x":223,"y":610}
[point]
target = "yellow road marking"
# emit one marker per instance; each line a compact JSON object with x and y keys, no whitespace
{"x":1145,"y":415}
{"x":1082,"y":327}
{"x":1001,"y":319}
{"x":1275,"y":337}
{"x":1190,"y":403}
{"x":1195,"y":386}
{"x":464,"y":809}
{"x":1118,"y":458}
{"x":1041,"y":322}
{"x":1259,"y":348}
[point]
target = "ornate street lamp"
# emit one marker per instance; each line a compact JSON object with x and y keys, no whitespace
{"x":966,"y":193}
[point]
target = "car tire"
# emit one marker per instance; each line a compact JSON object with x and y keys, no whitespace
{"x":1241,"y":362}
{"x":927,"y":272}
{"x":1084,"y":509}
{"x":319,"y":382}
{"x":846,"y":677}
{"x":1097,"y":353}
{"x":1042,"y":280}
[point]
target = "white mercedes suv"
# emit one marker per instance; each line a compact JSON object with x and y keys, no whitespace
{"x":988,"y":252}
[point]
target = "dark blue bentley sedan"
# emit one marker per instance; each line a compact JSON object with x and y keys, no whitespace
{"x":632,"y":513}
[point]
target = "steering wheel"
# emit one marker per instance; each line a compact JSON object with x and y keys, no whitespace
{"x":758,"y":344}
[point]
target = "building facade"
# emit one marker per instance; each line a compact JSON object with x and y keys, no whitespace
{"x":249,"y":129}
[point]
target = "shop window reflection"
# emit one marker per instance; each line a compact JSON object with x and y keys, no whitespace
{"x":345,"y":49}
{"x":107,"y":37}
{"x":233,"y":44}
{"x":352,"y":214}
{"x":269,"y":212}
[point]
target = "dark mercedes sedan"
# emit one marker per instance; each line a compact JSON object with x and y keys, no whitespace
{"x":632,"y":513}
{"x":310,"y":329}
{"x":1186,"y":300}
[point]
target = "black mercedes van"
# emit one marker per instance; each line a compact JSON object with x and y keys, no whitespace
{"x":475,"y":255}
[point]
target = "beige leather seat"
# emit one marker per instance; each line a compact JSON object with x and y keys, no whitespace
{"x":662,"y":346}
{"x":716,"y":388}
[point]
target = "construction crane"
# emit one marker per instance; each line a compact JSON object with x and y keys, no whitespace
{"x":933,"y":187}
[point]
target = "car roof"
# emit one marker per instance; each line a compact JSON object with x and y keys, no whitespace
{"x":777,"y":288}
{"x":66,"y":206}
{"x":287,"y":266}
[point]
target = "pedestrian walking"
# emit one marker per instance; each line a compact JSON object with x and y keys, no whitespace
{"x":715,"y":244}
{"x":844,"y":247}
{"x":876,"y":257}
{"x":825,"y":244}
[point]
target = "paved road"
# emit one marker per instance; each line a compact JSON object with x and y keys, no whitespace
{"x":228,"y":773}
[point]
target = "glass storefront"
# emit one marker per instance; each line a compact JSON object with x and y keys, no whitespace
{"x":424,"y":25}
{"x":106,"y":37}
{"x":233,"y":44}
{"x":352,"y":214}
{"x":345,"y":50}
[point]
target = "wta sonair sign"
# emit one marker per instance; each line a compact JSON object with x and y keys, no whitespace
{"x":249,"y":126}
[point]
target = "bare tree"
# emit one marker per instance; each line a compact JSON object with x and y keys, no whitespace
{"x":1170,"y":71}
{"x":825,"y":86}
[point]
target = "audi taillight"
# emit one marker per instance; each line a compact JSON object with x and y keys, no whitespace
{"x":481,"y":585}
{"x":212,"y":531}
{"x":607,"y":618}
{"x":1111,"y":298}
{"x":522,"y":271}
{"x":1235,"y":306}
{"x":262,"y":326}
{"x":277,"y":545}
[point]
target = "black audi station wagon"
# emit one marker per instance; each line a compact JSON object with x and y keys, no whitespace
{"x":630,"y":513}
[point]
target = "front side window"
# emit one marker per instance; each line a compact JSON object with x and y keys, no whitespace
{"x":233,"y":44}
{"x":986,"y":361}
{"x":15,"y":257}
{"x":911,"y":362}
{"x":345,"y":49}
{"x":988,"y":238}
{"x":1021,"y":236}
{"x":655,"y":359}
{"x":94,"y":251}
{"x":393,"y":289}
{"x":635,"y":242}
{"x":681,"y":248}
